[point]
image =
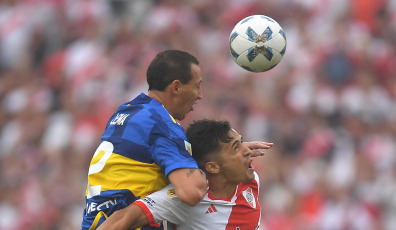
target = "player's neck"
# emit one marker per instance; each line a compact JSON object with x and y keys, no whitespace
{"x":220,"y":188}
{"x":163,"y":98}
{"x":157,"y":95}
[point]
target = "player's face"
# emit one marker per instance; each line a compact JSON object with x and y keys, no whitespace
{"x":236,"y":163}
{"x":190,"y":93}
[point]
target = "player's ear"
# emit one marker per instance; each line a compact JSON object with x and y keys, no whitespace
{"x":212,"y":167}
{"x":175,"y":86}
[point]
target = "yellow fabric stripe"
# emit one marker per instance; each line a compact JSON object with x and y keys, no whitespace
{"x":173,"y":119}
{"x":121,"y":172}
{"x":97,"y":218}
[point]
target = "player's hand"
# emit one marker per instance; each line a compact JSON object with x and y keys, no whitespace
{"x":258,"y":147}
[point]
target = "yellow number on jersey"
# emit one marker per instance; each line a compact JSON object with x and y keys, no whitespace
{"x":102,"y":154}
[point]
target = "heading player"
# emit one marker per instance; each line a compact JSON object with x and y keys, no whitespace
{"x":143,"y":147}
{"x":233,"y":187}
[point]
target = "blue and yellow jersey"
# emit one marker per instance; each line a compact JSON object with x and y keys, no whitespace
{"x":141,"y":145}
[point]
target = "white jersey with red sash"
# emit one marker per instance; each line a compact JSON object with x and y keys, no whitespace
{"x":241,"y":211}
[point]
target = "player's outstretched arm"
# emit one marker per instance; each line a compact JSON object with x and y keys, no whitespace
{"x":257,"y":147}
{"x":130,"y":217}
{"x":190,"y":185}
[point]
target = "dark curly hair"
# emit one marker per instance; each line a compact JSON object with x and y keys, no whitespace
{"x":205,"y":137}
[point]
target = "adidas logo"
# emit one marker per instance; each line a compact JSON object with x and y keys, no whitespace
{"x":211,"y":209}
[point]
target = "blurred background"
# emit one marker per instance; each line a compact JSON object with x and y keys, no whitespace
{"x":329,"y":106}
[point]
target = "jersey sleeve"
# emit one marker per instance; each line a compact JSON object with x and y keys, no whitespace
{"x":171,"y":150}
{"x":164,"y":205}
{"x":170,"y":155}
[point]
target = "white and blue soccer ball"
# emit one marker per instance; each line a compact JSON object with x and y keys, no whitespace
{"x":257,"y":43}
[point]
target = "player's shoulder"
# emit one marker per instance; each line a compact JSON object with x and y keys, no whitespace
{"x":152,"y":116}
{"x":165,"y":196}
{"x":150,"y":109}
{"x":143,"y":109}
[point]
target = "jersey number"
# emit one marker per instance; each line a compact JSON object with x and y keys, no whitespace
{"x":102,"y":154}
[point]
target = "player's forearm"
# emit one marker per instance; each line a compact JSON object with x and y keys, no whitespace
{"x":127,"y":218}
{"x":191,"y":197}
{"x":190,"y":185}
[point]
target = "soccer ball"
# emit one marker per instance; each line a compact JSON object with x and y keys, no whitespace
{"x":257,"y":43}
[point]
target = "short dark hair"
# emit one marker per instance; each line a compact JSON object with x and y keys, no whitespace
{"x":168,"y":66}
{"x":205,"y":137}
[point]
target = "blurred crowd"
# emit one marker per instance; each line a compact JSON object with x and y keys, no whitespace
{"x":329,"y":106}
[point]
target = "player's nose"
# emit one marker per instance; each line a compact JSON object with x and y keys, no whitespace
{"x":200,"y":95}
{"x":246,"y":152}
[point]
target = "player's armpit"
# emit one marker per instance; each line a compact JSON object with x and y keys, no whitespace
{"x":190,"y":185}
{"x":129,"y":217}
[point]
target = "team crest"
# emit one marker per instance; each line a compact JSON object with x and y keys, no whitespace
{"x":188,"y":147}
{"x":249,"y":196}
{"x":171,"y":192}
